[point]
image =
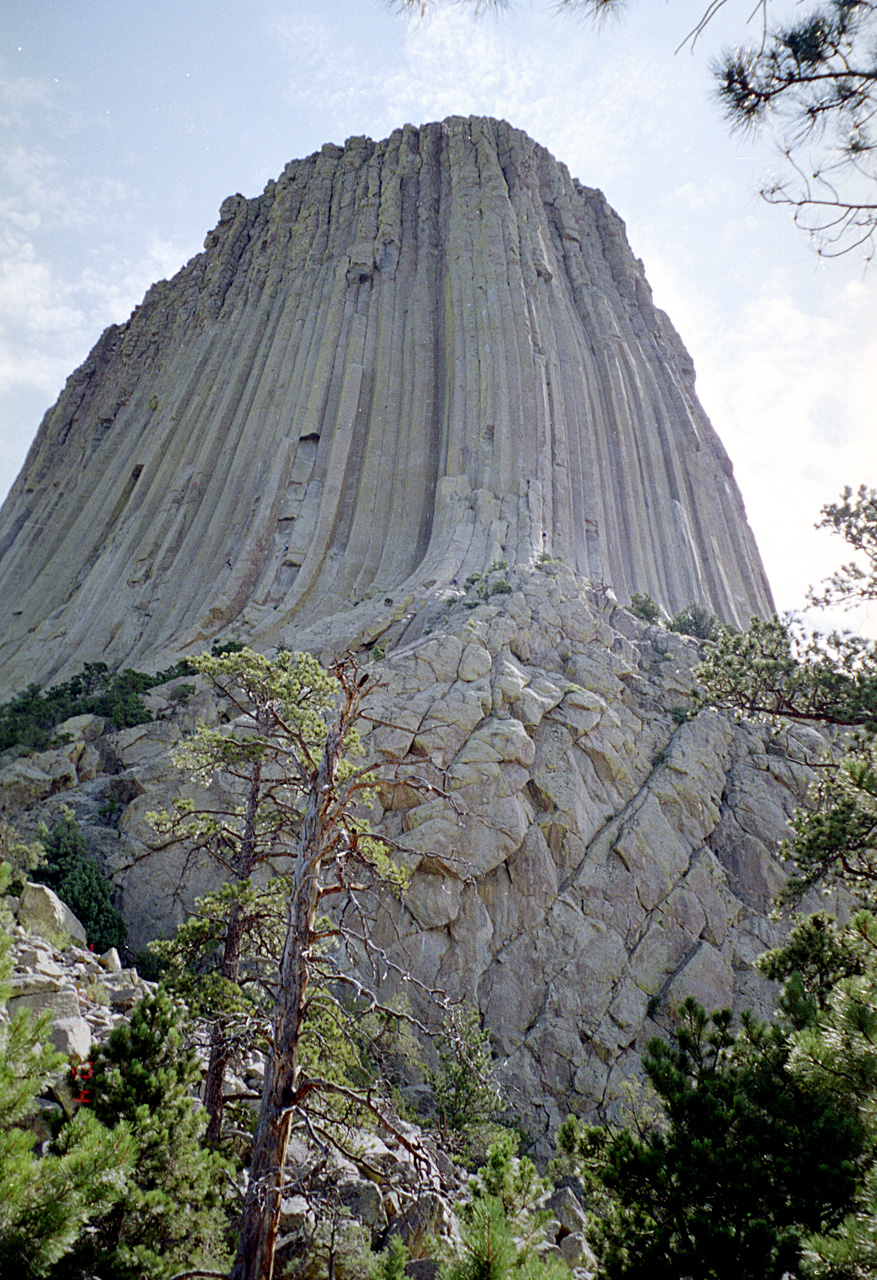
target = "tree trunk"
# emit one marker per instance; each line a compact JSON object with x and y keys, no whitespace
{"x":214,"y":1079}
{"x":261,"y":1213}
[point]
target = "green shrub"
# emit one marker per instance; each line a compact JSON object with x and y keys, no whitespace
{"x":182,"y":693}
{"x":72,"y":872}
{"x":696,"y":620}
{"x":500,"y":588}
{"x":221,"y":649}
{"x":21,"y":858}
{"x":28,"y":719}
{"x":171,"y":1213}
{"x":467,"y":1096}
{"x":643,"y":606}
{"x":390,"y":1264}
{"x":502,"y":1227}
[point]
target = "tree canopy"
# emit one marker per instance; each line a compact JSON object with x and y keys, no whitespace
{"x":746,"y":1160}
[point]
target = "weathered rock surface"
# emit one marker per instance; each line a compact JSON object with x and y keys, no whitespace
{"x":400,"y":362}
{"x":594,"y":859}
{"x":415,"y":401}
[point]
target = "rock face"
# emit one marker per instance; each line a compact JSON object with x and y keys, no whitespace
{"x":400,"y":362}
{"x":415,"y":401}
{"x":594,"y":859}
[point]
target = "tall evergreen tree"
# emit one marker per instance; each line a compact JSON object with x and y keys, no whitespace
{"x":747,"y":1159}
{"x":261,"y":763}
{"x":292,"y":802}
{"x":172,"y":1214}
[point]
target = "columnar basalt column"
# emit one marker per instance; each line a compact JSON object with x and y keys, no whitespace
{"x":400,"y":362}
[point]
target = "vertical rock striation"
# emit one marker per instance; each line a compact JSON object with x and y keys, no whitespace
{"x":402,"y":361}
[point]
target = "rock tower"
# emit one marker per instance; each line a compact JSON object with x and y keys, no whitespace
{"x":402,"y":361}
{"x":415,"y":401}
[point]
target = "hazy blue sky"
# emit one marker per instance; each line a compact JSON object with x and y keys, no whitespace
{"x":123,"y":126}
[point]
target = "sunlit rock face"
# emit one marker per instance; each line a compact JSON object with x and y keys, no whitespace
{"x":581,"y":855}
{"x":415,"y":401}
{"x":401,"y":362}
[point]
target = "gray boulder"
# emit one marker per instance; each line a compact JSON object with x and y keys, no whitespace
{"x":42,"y":911}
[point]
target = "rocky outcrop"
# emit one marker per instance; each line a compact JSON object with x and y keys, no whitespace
{"x":596,"y":857}
{"x":403,"y":360}
{"x":85,"y":996}
{"x":415,"y":401}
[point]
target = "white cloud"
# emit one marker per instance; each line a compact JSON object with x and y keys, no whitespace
{"x":20,"y":95}
{"x":790,"y":387}
{"x":55,"y":303}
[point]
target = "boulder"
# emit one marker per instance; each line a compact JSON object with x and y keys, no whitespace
{"x":110,"y":961}
{"x":42,"y":911}
{"x":364,"y":1201}
{"x":565,"y":1206}
{"x":72,"y":1036}
{"x":427,"y":1216}
{"x":59,"y":1003}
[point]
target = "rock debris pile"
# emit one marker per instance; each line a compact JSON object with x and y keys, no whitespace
{"x":86,"y":995}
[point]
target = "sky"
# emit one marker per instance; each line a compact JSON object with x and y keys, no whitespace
{"x":123,"y":126}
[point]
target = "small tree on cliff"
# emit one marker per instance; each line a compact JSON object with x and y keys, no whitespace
{"x":262,"y":761}
{"x":299,"y":812}
{"x":72,"y":872}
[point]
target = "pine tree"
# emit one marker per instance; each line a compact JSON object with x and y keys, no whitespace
{"x":829,"y":974}
{"x":332,"y":856}
{"x":72,"y":872}
{"x":467,"y":1095}
{"x":47,"y":1199}
{"x":503,"y":1223}
{"x":747,"y":1159}
{"x":837,"y":1049}
{"x":233,"y":941}
{"x":172,"y":1213}
{"x":288,"y":800}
